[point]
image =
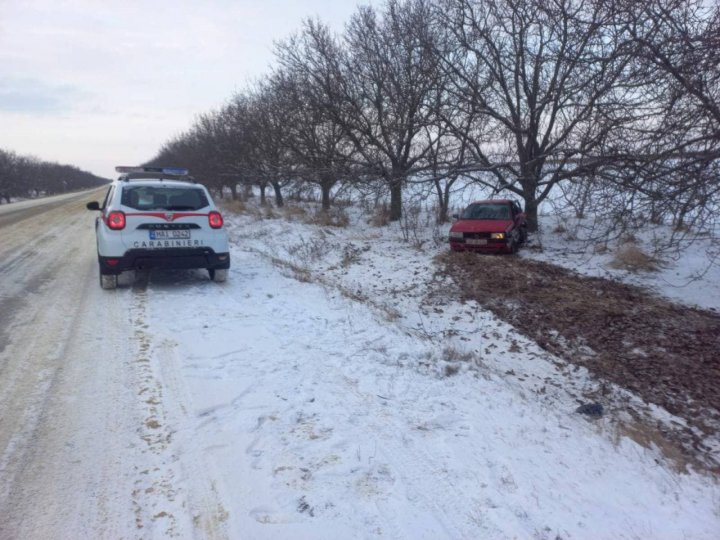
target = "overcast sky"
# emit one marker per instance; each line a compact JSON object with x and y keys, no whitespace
{"x":104,"y":83}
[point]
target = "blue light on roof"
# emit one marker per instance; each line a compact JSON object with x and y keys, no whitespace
{"x":176,"y":171}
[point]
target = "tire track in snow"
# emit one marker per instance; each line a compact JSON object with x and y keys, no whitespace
{"x":172,"y":493}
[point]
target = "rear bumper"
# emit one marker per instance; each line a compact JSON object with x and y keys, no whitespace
{"x":136,"y":259}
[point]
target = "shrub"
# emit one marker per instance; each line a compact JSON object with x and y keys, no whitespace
{"x":293,"y":211}
{"x":335,"y":217}
{"x":631,"y":257}
{"x":381,"y":217}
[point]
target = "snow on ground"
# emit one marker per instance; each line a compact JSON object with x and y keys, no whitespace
{"x":330,"y":397}
{"x":689,"y":275}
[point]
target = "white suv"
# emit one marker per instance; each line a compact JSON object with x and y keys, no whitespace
{"x":157,"y":217}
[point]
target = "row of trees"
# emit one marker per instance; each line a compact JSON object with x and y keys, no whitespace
{"x":24,"y":176}
{"x":618,"y":97}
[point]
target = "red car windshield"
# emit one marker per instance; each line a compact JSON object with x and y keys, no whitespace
{"x":487,"y":211}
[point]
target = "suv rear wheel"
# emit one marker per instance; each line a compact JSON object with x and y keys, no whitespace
{"x":108,"y":281}
{"x":218,"y":275}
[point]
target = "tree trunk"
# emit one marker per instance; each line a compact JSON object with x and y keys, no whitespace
{"x":443,"y":195}
{"x":529,"y":180}
{"x":442,"y":213}
{"x":395,"y":199}
{"x":233,"y":188}
{"x":263,"y":200}
{"x":445,"y":206}
{"x":531,"y":212}
{"x":278,"y":195}
{"x":325,"y":188}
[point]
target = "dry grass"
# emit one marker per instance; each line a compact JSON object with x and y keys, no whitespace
{"x":334,"y":217}
{"x":451,"y":369}
{"x":381,"y":216}
{"x":237,"y":206}
{"x":293,"y":212}
{"x":355,"y":295}
{"x":455,"y":359}
{"x":296,"y":271}
{"x":391,"y":314}
{"x":268,"y":212}
{"x":309,"y":251}
{"x":302,"y":274}
{"x":652,"y":438}
{"x":450,"y":354}
{"x":351,"y":255}
{"x":632,"y":258}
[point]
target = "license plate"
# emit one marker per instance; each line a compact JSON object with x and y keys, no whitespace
{"x":169,"y":235}
{"x":476,"y":241}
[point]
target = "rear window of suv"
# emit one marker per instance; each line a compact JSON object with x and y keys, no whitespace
{"x":163,"y":198}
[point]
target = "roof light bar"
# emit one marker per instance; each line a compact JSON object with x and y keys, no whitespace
{"x":178,"y":171}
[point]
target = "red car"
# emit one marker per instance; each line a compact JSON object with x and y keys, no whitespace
{"x":493,"y":225}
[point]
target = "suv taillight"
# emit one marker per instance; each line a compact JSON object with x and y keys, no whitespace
{"x":215,"y":219}
{"x":116,"y":220}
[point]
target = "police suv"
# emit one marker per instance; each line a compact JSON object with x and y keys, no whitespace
{"x":158,"y":217}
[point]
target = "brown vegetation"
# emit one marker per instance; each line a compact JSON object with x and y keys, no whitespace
{"x":665,"y":353}
{"x":631,"y":257}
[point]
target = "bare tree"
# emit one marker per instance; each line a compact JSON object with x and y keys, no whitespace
{"x":234,"y":143}
{"x":266,"y":149}
{"x":676,"y":155}
{"x":681,"y":39}
{"x":9,"y":185}
{"x":318,"y":145}
{"x":27,"y":176}
{"x":547,"y":81}
{"x":612,"y":97}
{"x":378,"y":84}
{"x":192,"y":150}
{"x":391,"y":81}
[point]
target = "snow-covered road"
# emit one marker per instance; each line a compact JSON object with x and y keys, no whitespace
{"x":272,"y":407}
{"x":66,"y":395}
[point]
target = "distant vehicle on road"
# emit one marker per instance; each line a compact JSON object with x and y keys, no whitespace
{"x":158,"y":217}
{"x":496,"y":225}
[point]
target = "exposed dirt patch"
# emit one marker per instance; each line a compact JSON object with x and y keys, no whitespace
{"x":665,"y":353}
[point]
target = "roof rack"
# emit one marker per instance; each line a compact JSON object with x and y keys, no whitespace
{"x":160,"y":173}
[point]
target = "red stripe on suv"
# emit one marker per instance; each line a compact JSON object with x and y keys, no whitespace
{"x":164,"y":215}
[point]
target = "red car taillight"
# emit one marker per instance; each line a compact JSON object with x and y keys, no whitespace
{"x":215,"y":219}
{"x":116,"y":220}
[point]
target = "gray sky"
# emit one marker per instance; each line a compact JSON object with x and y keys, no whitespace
{"x":104,"y":83}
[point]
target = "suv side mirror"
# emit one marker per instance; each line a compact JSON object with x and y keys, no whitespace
{"x":94,"y":205}
{"x":456,"y":216}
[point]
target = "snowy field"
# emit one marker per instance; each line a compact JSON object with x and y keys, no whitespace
{"x":331,"y":391}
